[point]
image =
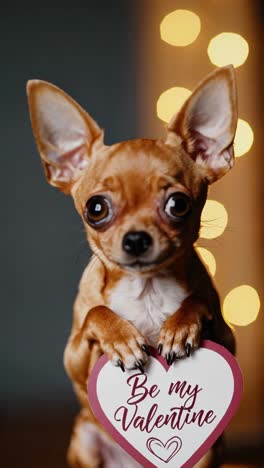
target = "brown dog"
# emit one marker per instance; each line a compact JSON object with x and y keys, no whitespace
{"x":141,"y":203}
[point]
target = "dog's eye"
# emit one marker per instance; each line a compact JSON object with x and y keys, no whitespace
{"x":98,"y":210}
{"x":177,"y":205}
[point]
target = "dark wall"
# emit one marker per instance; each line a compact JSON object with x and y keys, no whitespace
{"x":89,"y":52}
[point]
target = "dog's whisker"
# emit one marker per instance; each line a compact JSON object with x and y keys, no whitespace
{"x":82,"y":248}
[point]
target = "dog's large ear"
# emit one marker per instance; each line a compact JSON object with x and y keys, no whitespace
{"x":207,"y":122}
{"x":64,"y":132}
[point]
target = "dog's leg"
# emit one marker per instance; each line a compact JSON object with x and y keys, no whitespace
{"x":181,"y":331}
{"x":84,"y":450}
{"x":91,"y":447}
{"x":214,"y":457}
{"x":206,"y":461}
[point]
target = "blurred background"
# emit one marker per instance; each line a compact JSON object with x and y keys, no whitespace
{"x":131,"y":65}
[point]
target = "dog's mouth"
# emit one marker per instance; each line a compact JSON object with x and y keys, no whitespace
{"x":141,"y":265}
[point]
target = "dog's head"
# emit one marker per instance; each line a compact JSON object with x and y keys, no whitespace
{"x":140,"y":200}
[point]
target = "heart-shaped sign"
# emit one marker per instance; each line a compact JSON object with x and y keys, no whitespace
{"x":168,"y":416}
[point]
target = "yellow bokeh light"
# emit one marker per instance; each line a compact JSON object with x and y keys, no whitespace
{"x":208,"y":259}
{"x":180,"y":28}
{"x":228,"y":48}
{"x":244,"y":138}
{"x":171,"y":101}
{"x":241,"y":305}
{"x":214,"y":220}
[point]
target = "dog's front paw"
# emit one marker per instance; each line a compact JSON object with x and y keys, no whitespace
{"x":181,"y":333}
{"x":178,"y":338}
{"x":125,"y":346}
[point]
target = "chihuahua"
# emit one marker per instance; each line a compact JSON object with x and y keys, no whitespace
{"x":141,"y":203}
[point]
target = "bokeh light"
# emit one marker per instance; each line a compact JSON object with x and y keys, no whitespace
{"x":208,"y":259}
{"x":241,"y":305}
{"x":214,"y":219}
{"x":244,"y":138}
{"x":228,"y":48}
{"x":171,"y":101}
{"x":180,"y":28}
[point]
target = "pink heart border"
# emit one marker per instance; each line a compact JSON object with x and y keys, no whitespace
{"x":196,"y":456}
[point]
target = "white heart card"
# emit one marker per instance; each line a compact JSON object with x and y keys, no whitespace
{"x":170,"y":415}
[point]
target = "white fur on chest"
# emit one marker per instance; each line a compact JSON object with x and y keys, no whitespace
{"x":147,"y":302}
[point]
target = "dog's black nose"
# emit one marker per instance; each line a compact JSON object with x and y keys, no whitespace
{"x":136,"y":242}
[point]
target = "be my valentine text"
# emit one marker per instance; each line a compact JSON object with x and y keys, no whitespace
{"x":177,"y":416}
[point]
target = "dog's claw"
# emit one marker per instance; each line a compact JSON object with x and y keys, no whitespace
{"x":121,"y":365}
{"x":145,"y":349}
{"x":139,"y":366}
{"x":168,"y":358}
{"x":173,"y":358}
{"x":160,"y":349}
{"x":188,"y":349}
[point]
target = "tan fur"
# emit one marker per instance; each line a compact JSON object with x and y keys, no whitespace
{"x":139,"y":176}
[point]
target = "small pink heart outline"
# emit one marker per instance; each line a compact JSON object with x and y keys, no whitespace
{"x":172,"y":441}
{"x":205,"y":446}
